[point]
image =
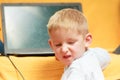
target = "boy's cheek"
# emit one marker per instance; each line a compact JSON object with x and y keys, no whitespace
{"x":57,"y":56}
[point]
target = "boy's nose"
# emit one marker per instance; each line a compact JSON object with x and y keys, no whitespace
{"x":64,"y":49}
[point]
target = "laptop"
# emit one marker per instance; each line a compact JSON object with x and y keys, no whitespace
{"x":24,"y":26}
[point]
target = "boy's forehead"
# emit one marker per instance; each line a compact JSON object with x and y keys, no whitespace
{"x":63,"y":33}
{"x":65,"y":30}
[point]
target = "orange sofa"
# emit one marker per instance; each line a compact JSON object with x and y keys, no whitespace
{"x":46,"y":68}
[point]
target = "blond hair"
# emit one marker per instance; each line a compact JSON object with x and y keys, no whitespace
{"x":68,"y":19}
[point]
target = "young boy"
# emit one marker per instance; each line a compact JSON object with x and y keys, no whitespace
{"x":70,"y":39}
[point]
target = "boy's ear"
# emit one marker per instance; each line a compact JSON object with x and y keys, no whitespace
{"x":50,"y":43}
{"x":88,"y":40}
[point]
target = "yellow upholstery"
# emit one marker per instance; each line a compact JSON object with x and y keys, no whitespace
{"x":32,"y":68}
{"x":112,"y":72}
{"x":46,"y":68}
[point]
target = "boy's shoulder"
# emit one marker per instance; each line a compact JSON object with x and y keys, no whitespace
{"x":102,"y":56}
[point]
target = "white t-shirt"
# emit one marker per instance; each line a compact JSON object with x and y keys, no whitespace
{"x":89,"y":66}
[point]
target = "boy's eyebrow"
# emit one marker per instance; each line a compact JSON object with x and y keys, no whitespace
{"x":56,"y":41}
{"x":72,"y":38}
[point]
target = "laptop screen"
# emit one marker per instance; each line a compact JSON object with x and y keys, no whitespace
{"x":24,"y":26}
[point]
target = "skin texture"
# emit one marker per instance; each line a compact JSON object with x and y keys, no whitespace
{"x":68,"y":45}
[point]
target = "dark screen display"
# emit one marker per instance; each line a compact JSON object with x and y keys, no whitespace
{"x":24,"y":26}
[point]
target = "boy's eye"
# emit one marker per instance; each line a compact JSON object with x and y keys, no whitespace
{"x":57,"y":45}
{"x":71,"y":42}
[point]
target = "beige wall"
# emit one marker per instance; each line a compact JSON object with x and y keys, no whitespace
{"x":103,"y":18}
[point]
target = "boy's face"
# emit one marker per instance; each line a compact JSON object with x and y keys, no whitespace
{"x":67,"y":45}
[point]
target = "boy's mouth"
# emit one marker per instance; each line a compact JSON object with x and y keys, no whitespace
{"x":66,"y":56}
